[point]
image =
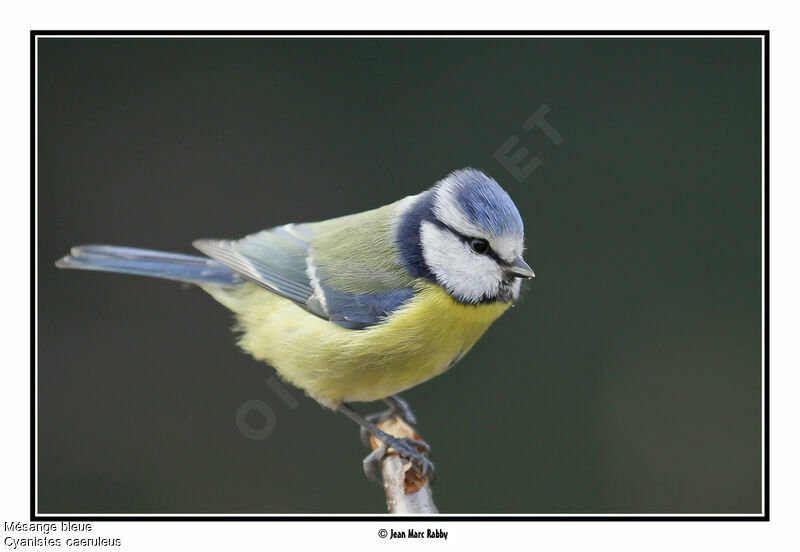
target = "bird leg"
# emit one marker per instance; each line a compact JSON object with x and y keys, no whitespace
{"x":398,"y":406}
{"x":413,"y":449}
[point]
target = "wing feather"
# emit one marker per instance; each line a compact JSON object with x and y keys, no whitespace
{"x":338,"y":270}
{"x":269,"y":260}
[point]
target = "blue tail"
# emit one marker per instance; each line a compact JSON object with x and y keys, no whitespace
{"x":147,"y":262}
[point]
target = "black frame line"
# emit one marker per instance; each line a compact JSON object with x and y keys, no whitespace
{"x":34,"y":516}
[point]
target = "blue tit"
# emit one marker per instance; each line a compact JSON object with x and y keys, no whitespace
{"x":364,"y":306}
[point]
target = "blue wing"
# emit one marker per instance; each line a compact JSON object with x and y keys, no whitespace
{"x":360,"y":311}
{"x":274,"y":259}
{"x":281,"y":260}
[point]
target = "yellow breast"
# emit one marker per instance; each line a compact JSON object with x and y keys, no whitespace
{"x":418,"y":341}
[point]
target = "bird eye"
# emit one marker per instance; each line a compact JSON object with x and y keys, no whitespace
{"x":479,"y":246}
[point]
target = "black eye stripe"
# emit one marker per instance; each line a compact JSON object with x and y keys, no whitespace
{"x":467,"y":239}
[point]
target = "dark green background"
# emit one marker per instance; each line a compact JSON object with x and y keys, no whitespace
{"x":628,"y":379}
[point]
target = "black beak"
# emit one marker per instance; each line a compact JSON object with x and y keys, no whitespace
{"x":519,"y":269}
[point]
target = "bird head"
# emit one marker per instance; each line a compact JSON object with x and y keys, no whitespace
{"x":465,"y":234}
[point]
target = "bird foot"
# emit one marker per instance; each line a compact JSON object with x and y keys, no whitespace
{"x":398,"y":407}
{"x":415,"y":450}
{"x":411,"y":449}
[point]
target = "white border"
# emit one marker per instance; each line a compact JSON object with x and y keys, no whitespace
{"x":400,"y":37}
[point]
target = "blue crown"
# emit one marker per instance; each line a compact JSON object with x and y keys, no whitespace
{"x":485,"y":203}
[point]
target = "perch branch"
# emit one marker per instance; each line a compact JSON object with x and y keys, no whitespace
{"x":407,"y":491}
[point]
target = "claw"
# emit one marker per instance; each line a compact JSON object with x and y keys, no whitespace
{"x":410,"y":449}
{"x":366,"y":437}
{"x":416,"y":443}
{"x":372,"y":462}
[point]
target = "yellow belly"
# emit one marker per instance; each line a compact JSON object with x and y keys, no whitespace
{"x":418,"y":341}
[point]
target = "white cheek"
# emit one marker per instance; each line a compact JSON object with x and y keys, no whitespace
{"x":468,"y":276}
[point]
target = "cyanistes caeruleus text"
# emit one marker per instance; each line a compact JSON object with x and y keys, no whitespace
{"x":361,"y":307}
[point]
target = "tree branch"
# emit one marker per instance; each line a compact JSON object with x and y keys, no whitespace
{"x":407,"y":491}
